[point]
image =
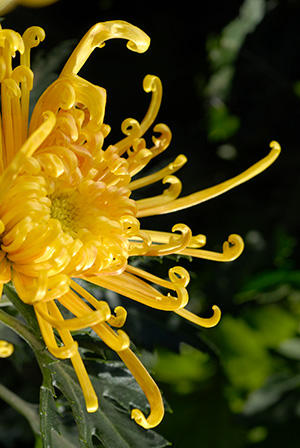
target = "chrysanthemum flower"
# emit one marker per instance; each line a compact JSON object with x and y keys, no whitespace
{"x":66,"y":210}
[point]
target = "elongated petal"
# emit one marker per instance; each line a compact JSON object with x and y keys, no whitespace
{"x":149,"y":388}
{"x":209,"y":193}
{"x":201,"y":321}
{"x":137,"y":41}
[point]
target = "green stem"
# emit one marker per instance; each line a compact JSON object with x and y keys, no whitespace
{"x":22,"y":330}
{"x":21,"y":406}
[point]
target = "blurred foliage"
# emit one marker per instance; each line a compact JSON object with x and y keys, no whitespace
{"x":231,"y":85}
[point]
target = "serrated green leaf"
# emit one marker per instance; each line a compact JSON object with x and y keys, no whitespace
{"x":111,"y":423}
{"x":48,"y":416}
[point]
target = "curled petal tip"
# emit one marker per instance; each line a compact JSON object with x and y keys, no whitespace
{"x":140,"y":419}
{"x":201,"y":321}
{"x":275,"y":145}
{"x":216,"y":316}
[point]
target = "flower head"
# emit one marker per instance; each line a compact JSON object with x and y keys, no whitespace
{"x":66,"y":210}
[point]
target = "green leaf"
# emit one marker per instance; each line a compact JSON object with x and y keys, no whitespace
{"x":111,"y":423}
{"x":290,"y":348}
{"x":271,"y":393}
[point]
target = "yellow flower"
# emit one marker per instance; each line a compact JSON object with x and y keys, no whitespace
{"x":66,"y":211}
{"x":7,"y":5}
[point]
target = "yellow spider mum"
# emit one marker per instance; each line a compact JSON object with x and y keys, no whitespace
{"x":66,"y":211}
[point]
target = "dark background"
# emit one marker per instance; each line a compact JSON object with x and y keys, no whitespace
{"x":241,"y":389}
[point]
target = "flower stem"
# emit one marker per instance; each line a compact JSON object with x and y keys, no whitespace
{"x":23,"y":407}
{"x":21,"y":329}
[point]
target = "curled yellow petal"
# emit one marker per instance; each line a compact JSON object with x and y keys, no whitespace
{"x":162,"y":142}
{"x":119,"y":319}
{"x":29,"y":147}
{"x":63,"y":352}
{"x":164,"y":237}
{"x":151,"y":84}
{"x":90,"y":396}
{"x":209,"y":193}
{"x":168,"y":196}
{"x":138,"y":41}
{"x":149,"y":388}
{"x":140,"y":245}
{"x":116,"y":341}
{"x":73,"y":324}
{"x":201,"y":321}
{"x":175,"y":243}
{"x":152,"y":178}
{"x":232,"y":249}
{"x":130,"y":285}
{"x":132,"y":129}
{"x":31,"y":38}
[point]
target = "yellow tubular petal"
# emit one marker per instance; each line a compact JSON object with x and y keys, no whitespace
{"x":132,"y":129}
{"x":90,"y":397}
{"x":162,"y":142}
{"x":2,"y":226}
{"x":99,"y":305}
{"x":6,"y":349}
{"x":73,"y":324}
{"x":151,"y":84}
{"x":149,"y":388}
{"x":232,"y":249}
{"x":31,"y":38}
{"x":11,"y":42}
{"x":209,"y":193}
{"x":168,"y":196}
{"x":140,"y":248}
{"x":152,"y":178}
{"x":119,"y":319}
{"x":2,"y":151}
{"x":174,"y":244}
{"x":138,"y":41}
{"x":5,"y":270}
{"x":129,"y":285}
{"x":138,"y":159}
{"x":24,"y":76}
{"x":29,"y":147}
{"x":31,"y":290}
{"x":10,"y":93}
{"x":64,"y":352}
{"x":201,"y":321}
{"x":59,"y":95}
{"x":116,"y":341}
{"x":164,"y":237}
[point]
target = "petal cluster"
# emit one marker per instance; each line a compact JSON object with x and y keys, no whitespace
{"x":67,"y":212}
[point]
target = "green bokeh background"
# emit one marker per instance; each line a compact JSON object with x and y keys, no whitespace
{"x":231,"y":78}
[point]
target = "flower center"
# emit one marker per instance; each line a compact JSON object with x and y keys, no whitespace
{"x":64,"y":210}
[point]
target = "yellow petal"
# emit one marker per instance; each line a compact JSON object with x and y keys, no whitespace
{"x":149,"y":388}
{"x":209,"y":193}
{"x":137,"y":41}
